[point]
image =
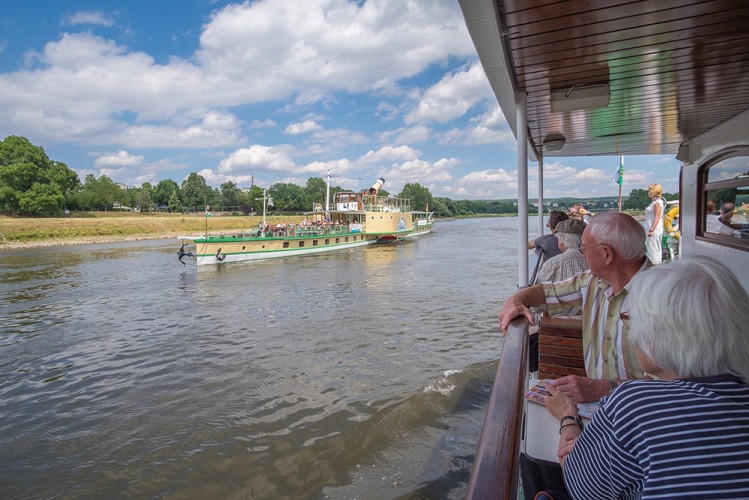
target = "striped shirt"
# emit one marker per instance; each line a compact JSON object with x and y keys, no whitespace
{"x":665,"y":439}
{"x":563,"y":266}
{"x":608,"y":352}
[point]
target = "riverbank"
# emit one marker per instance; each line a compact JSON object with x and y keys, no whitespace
{"x":103,"y":227}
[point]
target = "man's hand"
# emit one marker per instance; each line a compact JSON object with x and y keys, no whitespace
{"x":511,"y":309}
{"x":581,"y":389}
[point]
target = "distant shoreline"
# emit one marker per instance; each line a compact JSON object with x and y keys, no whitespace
{"x":96,"y":227}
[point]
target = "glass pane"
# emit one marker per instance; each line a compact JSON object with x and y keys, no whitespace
{"x":731,"y":168}
{"x":727,"y":211}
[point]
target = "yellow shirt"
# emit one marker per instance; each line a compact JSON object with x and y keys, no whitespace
{"x":608,"y":352}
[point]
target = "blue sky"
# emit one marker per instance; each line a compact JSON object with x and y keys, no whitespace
{"x":273,"y":91}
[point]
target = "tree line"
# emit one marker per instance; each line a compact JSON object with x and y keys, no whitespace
{"x":32,"y":184}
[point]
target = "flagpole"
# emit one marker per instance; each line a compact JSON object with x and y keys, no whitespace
{"x":620,"y":197}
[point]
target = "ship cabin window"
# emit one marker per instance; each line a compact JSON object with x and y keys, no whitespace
{"x":286,"y":244}
{"x":724,"y":201}
{"x":327,"y":241}
{"x":314,"y":243}
{"x":301,"y":243}
{"x":338,"y":240}
{"x":346,"y":239}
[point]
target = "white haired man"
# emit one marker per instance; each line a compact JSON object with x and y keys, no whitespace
{"x":570,"y":262}
{"x":614,"y":247}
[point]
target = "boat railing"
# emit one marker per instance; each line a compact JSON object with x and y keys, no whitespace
{"x":300,"y":231}
{"x":495,"y":473}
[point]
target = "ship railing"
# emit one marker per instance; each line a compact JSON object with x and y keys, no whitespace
{"x":496,"y":469}
{"x":306,"y":231}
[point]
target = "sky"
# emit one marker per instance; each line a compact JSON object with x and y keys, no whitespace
{"x":274,"y":91}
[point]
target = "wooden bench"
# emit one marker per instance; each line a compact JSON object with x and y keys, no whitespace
{"x":560,"y":347}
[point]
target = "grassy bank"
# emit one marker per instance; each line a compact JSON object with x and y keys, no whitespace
{"x":95,"y":227}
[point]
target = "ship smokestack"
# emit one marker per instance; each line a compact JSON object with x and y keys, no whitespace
{"x":376,"y":186}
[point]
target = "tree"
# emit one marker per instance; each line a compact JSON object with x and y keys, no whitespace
{"x":162,"y":194}
{"x":288,"y":197}
{"x":195,"y":192}
{"x":99,"y":194}
{"x":41,"y":199}
{"x":316,"y":191}
{"x":175,"y":205}
{"x":24,"y":169}
{"x":638,"y":199}
{"x":419,"y":195}
{"x":231,"y":196}
{"x":252,"y":200}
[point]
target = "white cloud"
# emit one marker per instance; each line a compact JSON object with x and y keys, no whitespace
{"x":271,"y":158}
{"x":267,"y":123}
{"x":120,"y":158}
{"x":452,"y":97}
{"x":389,"y":154}
{"x":302,"y":127}
{"x":93,"y":17}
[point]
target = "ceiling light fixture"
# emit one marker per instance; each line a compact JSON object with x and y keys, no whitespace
{"x":554,"y":142}
{"x":580,"y":97}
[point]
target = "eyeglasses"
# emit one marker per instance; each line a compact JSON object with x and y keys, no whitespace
{"x":583,"y":249}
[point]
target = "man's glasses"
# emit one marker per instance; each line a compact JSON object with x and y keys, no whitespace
{"x":583,"y":249}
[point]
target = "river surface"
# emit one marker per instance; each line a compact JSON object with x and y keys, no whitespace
{"x":355,"y":374}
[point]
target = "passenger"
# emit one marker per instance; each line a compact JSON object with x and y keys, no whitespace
{"x":577,"y":211}
{"x":570,"y":262}
{"x":684,"y":434}
{"x":732,"y":216}
{"x":548,"y":242}
{"x":654,"y":222}
{"x":713,"y":223}
{"x":614,"y":248}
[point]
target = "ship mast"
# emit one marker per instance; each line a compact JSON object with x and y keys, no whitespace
{"x":327,"y":197}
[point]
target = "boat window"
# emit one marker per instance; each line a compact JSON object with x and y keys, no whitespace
{"x":338,"y":240}
{"x":347,"y":239}
{"x":286,"y":244}
{"x":301,"y":243}
{"x":327,"y":241}
{"x":314,"y":243}
{"x":725,"y":198}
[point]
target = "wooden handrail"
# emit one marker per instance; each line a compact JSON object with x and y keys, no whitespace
{"x":495,"y":471}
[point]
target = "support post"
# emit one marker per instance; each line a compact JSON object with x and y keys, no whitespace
{"x":522,"y":164}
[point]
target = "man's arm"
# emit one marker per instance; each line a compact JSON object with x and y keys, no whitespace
{"x":531,"y":244}
{"x":519,"y":304}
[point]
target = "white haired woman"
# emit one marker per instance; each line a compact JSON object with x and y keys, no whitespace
{"x":684,"y":434}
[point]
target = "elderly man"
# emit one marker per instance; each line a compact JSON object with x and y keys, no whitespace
{"x":614,"y":247}
{"x":570,"y":262}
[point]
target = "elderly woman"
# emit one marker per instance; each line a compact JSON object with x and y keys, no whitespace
{"x":654,"y":223}
{"x":684,"y":434}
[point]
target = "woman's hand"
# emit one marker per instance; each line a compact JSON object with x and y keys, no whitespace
{"x":558,"y":404}
{"x":566,"y":443}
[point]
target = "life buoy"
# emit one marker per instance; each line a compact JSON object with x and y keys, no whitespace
{"x":220,"y":256}
{"x":668,"y":223}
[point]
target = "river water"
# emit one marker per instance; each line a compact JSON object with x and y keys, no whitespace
{"x":354,"y":374}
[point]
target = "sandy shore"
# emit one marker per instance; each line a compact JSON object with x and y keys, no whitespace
{"x":83,"y":240}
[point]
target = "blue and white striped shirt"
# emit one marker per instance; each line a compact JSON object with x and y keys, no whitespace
{"x":665,"y":439}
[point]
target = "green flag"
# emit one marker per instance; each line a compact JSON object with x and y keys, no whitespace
{"x":619,"y":174}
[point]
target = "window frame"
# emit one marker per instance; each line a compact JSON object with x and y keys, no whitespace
{"x":703,"y":187}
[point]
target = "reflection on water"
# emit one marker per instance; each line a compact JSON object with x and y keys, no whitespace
{"x":361,"y":373}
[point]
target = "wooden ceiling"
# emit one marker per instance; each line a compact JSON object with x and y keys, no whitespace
{"x":675,"y":69}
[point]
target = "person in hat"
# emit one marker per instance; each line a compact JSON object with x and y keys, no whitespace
{"x":570,"y":261}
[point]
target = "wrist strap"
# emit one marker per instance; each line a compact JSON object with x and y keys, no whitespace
{"x":576,"y":420}
{"x":579,"y":426}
